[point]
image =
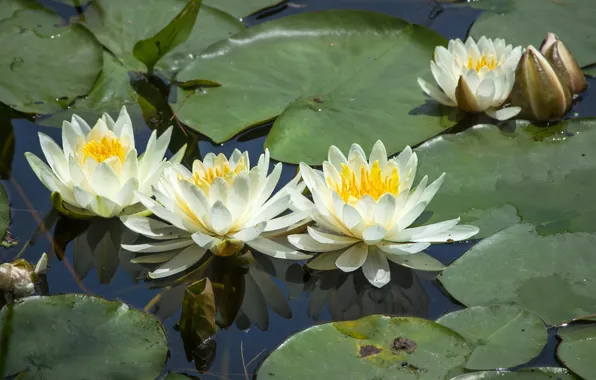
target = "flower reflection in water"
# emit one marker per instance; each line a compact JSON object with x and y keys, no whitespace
{"x":350,"y":296}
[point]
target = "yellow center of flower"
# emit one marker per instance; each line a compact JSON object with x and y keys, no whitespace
{"x":483,"y":62}
{"x":223,"y":171}
{"x":371,"y":183}
{"x":102,"y":150}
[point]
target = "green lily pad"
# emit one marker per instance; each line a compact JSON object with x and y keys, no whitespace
{"x":57,"y":336}
{"x":374,"y":347}
{"x":497,"y":178}
{"x":111,"y":91}
{"x":242,"y":8}
{"x":577,"y":348}
{"x":516,"y":264}
{"x":526,"y":22}
{"x":178,"y":376}
{"x":532,"y":373}
{"x":4,"y":212}
{"x":342,"y":76}
{"x":119,"y":25}
{"x":45,"y":65}
{"x":591,"y":71}
{"x":504,"y":336}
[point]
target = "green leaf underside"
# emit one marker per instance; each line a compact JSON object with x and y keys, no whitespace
{"x":526,"y":22}
{"x":496,"y":178}
{"x":69,"y":55}
{"x":119,"y":25}
{"x":342,"y":76}
{"x":149,"y":51}
{"x":531,"y":373}
{"x":373,"y":347}
{"x":516,"y":264}
{"x":577,"y":348}
{"x":58,"y":336}
{"x":111,"y":91}
{"x":4,"y":212}
{"x":504,"y":336}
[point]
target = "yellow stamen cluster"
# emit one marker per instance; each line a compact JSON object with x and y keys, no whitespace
{"x":484,"y":62}
{"x":204,"y":179}
{"x":370,"y":183}
{"x":103,"y":149}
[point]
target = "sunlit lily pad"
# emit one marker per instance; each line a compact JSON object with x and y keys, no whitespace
{"x":504,"y":336}
{"x":374,"y":347}
{"x":516,"y":264}
{"x":577,"y":348}
{"x":342,"y":76}
{"x":4,"y":212}
{"x":526,"y":22}
{"x":119,"y":25}
{"x":58,"y":336}
{"x":532,"y":373}
{"x":45,"y":65}
{"x":497,"y":178}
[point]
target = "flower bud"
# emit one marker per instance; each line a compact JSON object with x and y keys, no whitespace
{"x":563,"y":63}
{"x":538,"y":89}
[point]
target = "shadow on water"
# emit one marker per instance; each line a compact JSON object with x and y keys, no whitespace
{"x":257,"y":306}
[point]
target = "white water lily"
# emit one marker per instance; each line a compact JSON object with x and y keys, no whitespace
{"x":220,"y":206}
{"x":365,"y":208}
{"x":98,"y":170}
{"x":476,"y":77}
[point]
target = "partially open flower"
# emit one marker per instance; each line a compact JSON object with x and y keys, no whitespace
{"x":563,"y":63}
{"x":97,"y":171}
{"x":474,"y":77}
{"x":19,"y":276}
{"x":540,"y":92}
{"x":220,"y":206}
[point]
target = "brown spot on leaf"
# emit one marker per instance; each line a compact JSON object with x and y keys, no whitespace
{"x":403,"y":344}
{"x":369,"y":350}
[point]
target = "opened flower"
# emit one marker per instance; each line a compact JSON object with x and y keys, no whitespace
{"x":475,"y":77}
{"x":364,"y":210}
{"x":220,"y":206}
{"x":98,"y":170}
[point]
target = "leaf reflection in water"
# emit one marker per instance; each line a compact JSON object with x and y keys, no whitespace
{"x":349,"y":296}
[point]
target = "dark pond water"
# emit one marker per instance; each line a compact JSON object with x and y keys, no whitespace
{"x":280,"y":297}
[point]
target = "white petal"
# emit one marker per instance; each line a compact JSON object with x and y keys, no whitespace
{"x":376,"y":268}
{"x":435,"y":93}
{"x":503,"y":114}
{"x":152,"y":228}
{"x":411,"y":216}
{"x":83,"y":198}
{"x":159,"y":246}
{"x":305,"y":242}
{"x":411,"y":234}
{"x":327,"y":238}
{"x":105,"y":181}
{"x":250,"y":233}
{"x":351,"y":218}
{"x":221,"y":219}
{"x":205,"y":241}
{"x":384,"y":210}
{"x":457,"y":233}
{"x":276,"y":248}
{"x":180,"y":262}
{"x":401,"y":249}
{"x":285,"y":221}
{"x":239,"y":196}
{"x":55,"y":157}
{"x":126,"y":196}
{"x":373,"y":234}
{"x":336,"y":157}
{"x":70,"y":137}
{"x":352,"y":258}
